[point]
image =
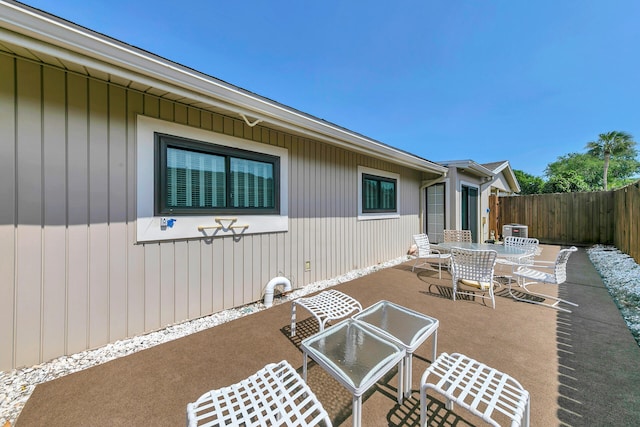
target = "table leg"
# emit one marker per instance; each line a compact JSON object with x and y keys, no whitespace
{"x":304,"y":366}
{"x":401,"y":379}
{"x":434,"y":347}
{"x":357,"y":411}
{"x":408,"y":367}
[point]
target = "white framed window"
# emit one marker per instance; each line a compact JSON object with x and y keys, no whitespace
{"x":378,"y":194}
{"x":195,"y":183}
{"x":194,"y":177}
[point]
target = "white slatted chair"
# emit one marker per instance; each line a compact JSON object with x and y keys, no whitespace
{"x":474,"y":268}
{"x":426,"y":255}
{"x":476,"y":387}
{"x":274,"y":396}
{"x":528,"y":244}
{"x":457,"y":236}
{"x":325,"y":306}
{"x":555,"y":274}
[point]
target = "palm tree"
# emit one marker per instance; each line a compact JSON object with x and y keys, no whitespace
{"x":609,"y":144}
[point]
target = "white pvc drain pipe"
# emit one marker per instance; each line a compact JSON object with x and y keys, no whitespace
{"x":268,"y":293}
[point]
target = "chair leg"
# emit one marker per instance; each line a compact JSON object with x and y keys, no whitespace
{"x":423,"y":408}
{"x":293,"y":319}
{"x":492,"y":295}
{"x":554,"y":305}
{"x":551,"y":297}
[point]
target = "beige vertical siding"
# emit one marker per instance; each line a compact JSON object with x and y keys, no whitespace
{"x":7,"y":210}
{"x":54,"y":196}
{"x":29,"y":183}
{"x":77,"y":200}
{"x":72,"y":276}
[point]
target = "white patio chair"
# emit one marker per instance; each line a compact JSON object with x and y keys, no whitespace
{"x":478,"y":388}
{"x":555,"y":274}
{"x":426,"y":255}
{"x":275,"y":395}
{"x":474,"y":268}
{"x":457,"y":236}
{"x":528,"y":244}
{"x":325,"y":306}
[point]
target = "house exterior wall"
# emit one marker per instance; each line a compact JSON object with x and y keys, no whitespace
{"x":457,"y":179}
{"x":452,"y":220}
{"x":499,"y":182}
{"x":73,"y":276}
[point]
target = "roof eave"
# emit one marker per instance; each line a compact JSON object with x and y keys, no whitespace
{"x":469,"y":165}
{"x":118,"y":58}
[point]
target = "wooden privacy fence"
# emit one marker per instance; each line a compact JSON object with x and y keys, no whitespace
{"x":606,"y":217}
{"x":626,"y":234}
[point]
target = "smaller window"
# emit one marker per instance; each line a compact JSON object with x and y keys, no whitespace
{"x":378,"y":194}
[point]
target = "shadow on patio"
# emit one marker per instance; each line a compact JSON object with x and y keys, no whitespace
{"x":580,"y":368}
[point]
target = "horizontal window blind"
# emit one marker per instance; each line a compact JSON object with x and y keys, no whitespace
{"x":195,"y":179}
{"x":198,"y":177}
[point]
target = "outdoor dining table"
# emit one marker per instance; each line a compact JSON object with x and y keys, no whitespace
{"x":502,"y":250}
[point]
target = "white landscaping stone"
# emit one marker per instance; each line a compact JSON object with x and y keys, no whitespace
{"x":620,"y":274}
{"x":18,"y":384}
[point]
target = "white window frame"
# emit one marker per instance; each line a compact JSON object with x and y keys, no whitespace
{"x":362,"y":216}
{"x":150,"y":227}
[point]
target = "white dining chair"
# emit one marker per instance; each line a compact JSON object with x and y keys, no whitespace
{"x":549,"y":272}
{"x":473,"y":268}
{"x":426,"y":255}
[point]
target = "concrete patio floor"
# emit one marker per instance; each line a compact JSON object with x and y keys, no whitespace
{"x":581,"y":368}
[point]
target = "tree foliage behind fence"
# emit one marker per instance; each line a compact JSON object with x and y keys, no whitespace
{"x":606,"y":217}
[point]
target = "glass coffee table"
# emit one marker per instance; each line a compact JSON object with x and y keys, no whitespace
{"x":357,"y":356}
{"x":408,"y":327}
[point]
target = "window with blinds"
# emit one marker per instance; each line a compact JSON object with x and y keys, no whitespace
{"x":378,"y":194}
{"x":197,"y":177}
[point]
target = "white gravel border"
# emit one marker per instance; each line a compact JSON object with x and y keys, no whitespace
{"x":18,"y":384}
{"x":620,"y":274}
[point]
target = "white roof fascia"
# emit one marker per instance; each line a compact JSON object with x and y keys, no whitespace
{"x":501,"y":167}
{"x":510,"y":176}
{"x":470,"y":165}
{"x":43,"y":32}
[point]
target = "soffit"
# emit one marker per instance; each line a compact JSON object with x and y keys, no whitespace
{"x":46,"y":39}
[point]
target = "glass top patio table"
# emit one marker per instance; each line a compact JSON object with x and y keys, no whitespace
{"x":408,"y":327}
{"x":502,"y":250}
{"x":356,"y":356}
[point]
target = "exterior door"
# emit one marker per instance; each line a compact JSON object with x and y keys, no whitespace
{"x":469,"y":210}
{"x":435,"y":213}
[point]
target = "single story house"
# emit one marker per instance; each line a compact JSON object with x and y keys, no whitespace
{"x":137,"y":192}
{"x":466,"y":198}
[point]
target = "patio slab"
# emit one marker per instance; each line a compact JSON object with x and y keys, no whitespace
{"x":580,"y":368}
{"x":599,"y":375}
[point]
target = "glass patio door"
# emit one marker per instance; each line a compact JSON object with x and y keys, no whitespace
{"x":435,"y":213}
{"x":469,"y":210}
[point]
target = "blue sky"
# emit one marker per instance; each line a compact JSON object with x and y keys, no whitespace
{"x":524,"y":81}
